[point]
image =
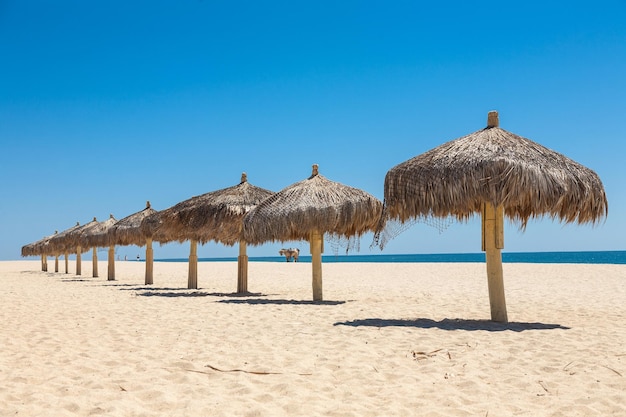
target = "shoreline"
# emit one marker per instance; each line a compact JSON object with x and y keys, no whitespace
{"x":614,"y":257}
{"x":392,"y":339}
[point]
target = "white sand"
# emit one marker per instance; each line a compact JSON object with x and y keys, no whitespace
{"x":392,"y":339}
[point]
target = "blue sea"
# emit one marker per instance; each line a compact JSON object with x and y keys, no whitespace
{"x":604,"y":257}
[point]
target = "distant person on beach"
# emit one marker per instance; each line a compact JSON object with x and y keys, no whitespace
{"x":137,"y":257}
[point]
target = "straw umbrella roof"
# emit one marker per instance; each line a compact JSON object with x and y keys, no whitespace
{"x":95,"y":234}
{"x":315,"y":204}
{"x":40,"y":247}
{"x":29,"y":249}
{"x":58,"y":244}
{"x":216,"y":215}
{"x":496,"y":166}
{"x":75,"y":239}
{"x":127,"y":231}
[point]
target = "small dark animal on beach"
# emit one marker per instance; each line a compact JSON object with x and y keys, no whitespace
{"x":290,"y":253}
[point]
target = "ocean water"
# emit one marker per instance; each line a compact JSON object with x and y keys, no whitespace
{"x":598,"y":257}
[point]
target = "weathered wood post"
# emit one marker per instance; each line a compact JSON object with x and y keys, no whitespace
{"x":94,"y":263}
{"x":78,"y":261}
{"x":493,"y":242}
{"x":192,"y":281}
{"x":44,"y":263}
{"x":149,"y":262}
{"x":67,"y":263}
{"x":316,"y":264}
{"x":56,"y":263}
{"x":111,"y":264}
{"x":242,"y":269}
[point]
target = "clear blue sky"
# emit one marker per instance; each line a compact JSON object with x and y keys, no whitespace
{"x":107,"y":104}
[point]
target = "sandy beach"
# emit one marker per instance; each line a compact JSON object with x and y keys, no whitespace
{"x":390,"y":339}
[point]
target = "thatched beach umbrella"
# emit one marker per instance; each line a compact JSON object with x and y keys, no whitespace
{"x":127,"y":231}
{"x":308,"y":209}
{"x":30,"y":249}
{"x":74,"y":240}
{"x":495,"y":173}
{"x":93,"y":236}
{"x":59,"y":244}
{"x":214,"y":216}
{"x":41,"y":248}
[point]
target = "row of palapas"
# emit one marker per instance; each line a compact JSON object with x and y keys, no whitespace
{"x":492,"y":172}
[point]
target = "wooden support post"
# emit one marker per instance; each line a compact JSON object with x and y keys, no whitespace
{"x":149,"y":262}
{"x":44,"y":267}
{"x":78,"y":261}
{"x":56,"y":263}
{"x":111,"y":264}
{"x":493,"y":242}
{"x":67,"y":263}
{"x":316,"y":242}
{"x":242,"y":269}
{"x":94,"y":263}
{"x":192,"y":281}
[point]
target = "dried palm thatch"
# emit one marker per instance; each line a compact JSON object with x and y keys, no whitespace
{"x":315,"y":204}
{"x":214,"y":216}
{"x":59,"y":243}
{"x":74,"y":239}
{"x":56,"y":245}
{"x":29,"y":249}
{"x":68,"y":241}
{"x":496,"y":173}
{"x":40,"y":247}
{"x":127,"y":231}
{"x":94,"y":234}
{"x":496,"y":166}
{"x":308,"y":209}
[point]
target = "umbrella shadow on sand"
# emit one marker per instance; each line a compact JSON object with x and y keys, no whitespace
{"x":253,"y":301}
{"x":171,"y":294}
{"x":176,"y":292}
{"x":77,"y":280}
{"x":39,"y":273}
{"x":129,"y":286}
{"x":452,"y":324}
{"x":137,"y":287}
